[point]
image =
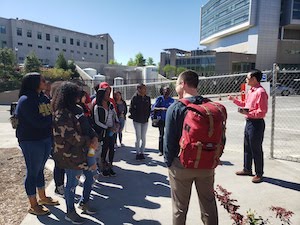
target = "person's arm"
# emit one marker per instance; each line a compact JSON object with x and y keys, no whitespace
{"x":125,"y":109}
{"x":236,"y":101}
{"x":100,"y":117}
{"x":38,"y":116}
{"x":171,"y":135}
{"x":132,"y":107}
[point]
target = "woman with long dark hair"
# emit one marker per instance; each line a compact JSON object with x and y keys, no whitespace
{"x":106,"y":118}
{"x":74,"y":147}
{"x":121,"y":112}
{"x":34,"y":136}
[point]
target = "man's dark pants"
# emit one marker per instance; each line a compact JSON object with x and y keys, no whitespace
{"x":253,"y":139}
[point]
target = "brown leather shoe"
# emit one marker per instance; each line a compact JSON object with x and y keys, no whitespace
{"x":48,"y":201}
{"x":257,"y":179}
{"x":244,"y":173}
{"x":39,"y":210}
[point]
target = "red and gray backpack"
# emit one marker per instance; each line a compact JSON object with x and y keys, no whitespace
{"x":203,"y":134}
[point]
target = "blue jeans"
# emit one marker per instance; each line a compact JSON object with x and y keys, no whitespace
{"x":35,"y":154}
{"x":140,"y":134}
{"x":122,"y":124}
{"x":72,"y":182}
{"x":253,"y":139}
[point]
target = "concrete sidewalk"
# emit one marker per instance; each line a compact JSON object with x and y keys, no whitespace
{"x":140,"y":192}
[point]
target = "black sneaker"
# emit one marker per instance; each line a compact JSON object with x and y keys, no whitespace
{"x":105,"y":173}
{"x":59,"y":190}
{"x":87,"y":209}
{"x":138,"y":157}
{"x":112,"y":173}
{"x":142,"y":156}
{"x":74,"y":218}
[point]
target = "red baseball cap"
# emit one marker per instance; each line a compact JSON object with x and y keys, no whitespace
{"x":104,"y":85}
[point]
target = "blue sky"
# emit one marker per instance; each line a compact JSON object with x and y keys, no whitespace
{"x":134,"y":25}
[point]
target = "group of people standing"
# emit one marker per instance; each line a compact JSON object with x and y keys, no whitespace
{"x":76,"y":128}
{"x":61,"y":124}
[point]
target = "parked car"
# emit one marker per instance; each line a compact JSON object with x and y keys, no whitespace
{"x":283,"y":90}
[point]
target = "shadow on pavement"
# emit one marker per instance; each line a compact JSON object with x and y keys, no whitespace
{"x":282,"y":183}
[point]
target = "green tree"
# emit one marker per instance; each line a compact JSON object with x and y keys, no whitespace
{"x":179,"y":70}
{"x":139,"y":60}
{"x":169,"y":71}
{"x":131,"y":62}
{"x":61,"y":62}
{"x":32,"y":63}
{"x":150,"y":62}
{"x":114,"y":62}
{"x":73,"y":71}
{"x":7,"y":63}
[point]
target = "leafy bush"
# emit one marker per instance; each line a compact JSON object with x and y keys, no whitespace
{"x":251,"y":218}
{"x":55,"y":74}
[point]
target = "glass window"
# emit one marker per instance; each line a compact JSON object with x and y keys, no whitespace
{"x":64,"y":50}
{"x":48,"y":48}
{"x":72,"y":51}
{"x":97,"y":46}
{"x":39,"y":46}
{"x":2,"y":29}
{"x":56,"y":49}
{"x":91,"y":45}
{"x":56,"y":38}
{"x":39,"y":35}
{"x":64,"y":40}
{"x":71,"y":41}
{"x":20,"y":44}
{"x":29,"y":33}
{"x":78,"y":42}
{"x":29,"y":45}
{"x":48,"y":37}
{"x":101,"y":46}
{"x":19,"y":31}
{"x":84,"y":44}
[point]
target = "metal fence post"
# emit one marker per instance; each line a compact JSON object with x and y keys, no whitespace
{"x":273,"y":94}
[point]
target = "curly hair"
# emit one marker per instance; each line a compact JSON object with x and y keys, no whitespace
{"x":66,"y":96}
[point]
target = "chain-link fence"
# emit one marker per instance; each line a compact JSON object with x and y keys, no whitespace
{"x":282,"y":121}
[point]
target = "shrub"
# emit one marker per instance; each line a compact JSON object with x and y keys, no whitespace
{"x":251,"y":218}
{"x":55,"y":74}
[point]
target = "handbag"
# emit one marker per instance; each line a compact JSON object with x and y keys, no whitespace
{"x":14,"y":121}
{"x":156,"y":122}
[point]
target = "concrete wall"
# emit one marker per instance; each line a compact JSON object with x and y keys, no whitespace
{"x":8,"y":96}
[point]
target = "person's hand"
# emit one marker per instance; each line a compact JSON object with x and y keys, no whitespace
{"x":93,"y":167}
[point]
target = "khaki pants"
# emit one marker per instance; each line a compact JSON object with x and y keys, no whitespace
{"x":181,"y":181}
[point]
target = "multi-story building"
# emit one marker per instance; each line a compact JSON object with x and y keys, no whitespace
{"x":47,"y":42}
{"x":269,"y":29}
{"x":207,"y":62}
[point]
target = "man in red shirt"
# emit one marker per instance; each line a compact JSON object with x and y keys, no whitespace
{"x":254,"y":108}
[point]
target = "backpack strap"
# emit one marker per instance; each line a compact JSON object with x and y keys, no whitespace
{"x":184,"y":101}
{"x":211,"y":120}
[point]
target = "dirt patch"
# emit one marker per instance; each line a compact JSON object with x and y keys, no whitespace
{"x":14,"y":203}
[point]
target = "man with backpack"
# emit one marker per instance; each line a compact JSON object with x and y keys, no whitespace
{"x":193,"y":143}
